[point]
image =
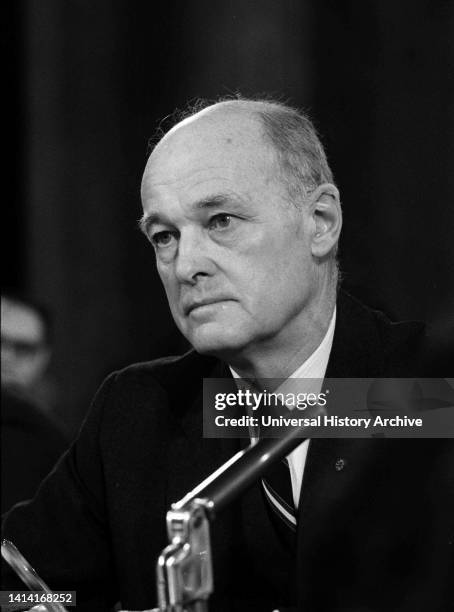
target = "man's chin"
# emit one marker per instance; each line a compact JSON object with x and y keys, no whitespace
{"x":218,"y":344}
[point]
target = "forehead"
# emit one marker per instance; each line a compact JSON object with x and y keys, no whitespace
{"x":20,"y":322}
{"x":210,"y":155}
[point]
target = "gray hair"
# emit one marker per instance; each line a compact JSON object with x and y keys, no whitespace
{"x":300,"y":153}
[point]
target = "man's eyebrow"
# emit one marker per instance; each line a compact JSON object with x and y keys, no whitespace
{"x":221,"y":199}
{"x":147,"y":220}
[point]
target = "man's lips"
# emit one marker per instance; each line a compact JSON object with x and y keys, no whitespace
{"x":194,"y":304}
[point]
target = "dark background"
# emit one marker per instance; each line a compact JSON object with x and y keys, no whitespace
{"x":86,"y":84}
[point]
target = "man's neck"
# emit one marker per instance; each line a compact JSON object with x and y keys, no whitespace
{"x":280,"y":359}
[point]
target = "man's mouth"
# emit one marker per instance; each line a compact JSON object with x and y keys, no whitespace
{"x":194,"y":305}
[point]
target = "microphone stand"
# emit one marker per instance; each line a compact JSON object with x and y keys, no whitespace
{"x":184,"y":568}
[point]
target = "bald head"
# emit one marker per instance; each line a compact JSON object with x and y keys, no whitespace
{"x":231,"y":113}
{"x":231,"y":131}
{"x":224,"y":141}
{"x":277,"y":129}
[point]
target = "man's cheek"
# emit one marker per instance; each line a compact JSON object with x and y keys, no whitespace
{"x":171,"y":289}
{"x":174,"y":305}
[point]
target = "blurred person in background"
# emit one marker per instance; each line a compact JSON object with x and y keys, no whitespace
{"x":31,"y":439}
{"x":25,"y":348}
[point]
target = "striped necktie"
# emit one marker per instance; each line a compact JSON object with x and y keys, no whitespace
{"x":277,"y":488}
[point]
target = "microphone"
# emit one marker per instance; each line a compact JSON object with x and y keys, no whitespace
{"x":244,"y":468}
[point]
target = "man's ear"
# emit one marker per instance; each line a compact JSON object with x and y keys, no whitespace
{"x":326,"y":217}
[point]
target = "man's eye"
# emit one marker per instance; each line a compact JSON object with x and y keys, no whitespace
{"x":220,"y":221}
{"x":162,"y":239}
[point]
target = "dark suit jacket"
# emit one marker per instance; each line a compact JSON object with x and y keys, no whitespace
{"x":374,"y":536}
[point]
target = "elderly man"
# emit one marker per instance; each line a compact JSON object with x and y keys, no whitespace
{"x":240,"y":206}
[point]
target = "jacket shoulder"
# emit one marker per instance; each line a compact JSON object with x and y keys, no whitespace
{"x":174,"y":380}
{"x":167,"y":370}
{"x":367,"y":343}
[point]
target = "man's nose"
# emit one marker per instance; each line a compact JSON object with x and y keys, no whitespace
{"x":193,"y":258}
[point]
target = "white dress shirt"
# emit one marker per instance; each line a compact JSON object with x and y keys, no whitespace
{"x":315,"y":368}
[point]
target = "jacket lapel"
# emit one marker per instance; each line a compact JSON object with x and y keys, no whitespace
{"x":193,"y":458}
{"x":335,"y":467}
